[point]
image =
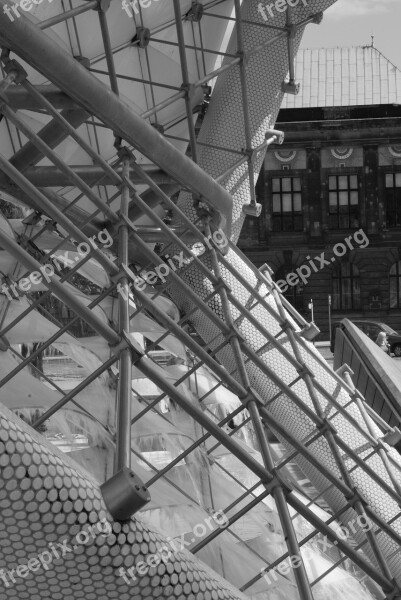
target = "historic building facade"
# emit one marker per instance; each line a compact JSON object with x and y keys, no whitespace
{"x":331,"y":222}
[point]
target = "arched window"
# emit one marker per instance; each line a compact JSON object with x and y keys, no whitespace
{"x":346,"y":287}
{"x":294,"y":293}
{"x":395,"y":285}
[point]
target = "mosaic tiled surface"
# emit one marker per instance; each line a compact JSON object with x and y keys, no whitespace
{"x":48,"y":505}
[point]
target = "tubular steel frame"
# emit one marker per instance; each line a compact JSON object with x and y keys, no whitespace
{"x":77,"y":94}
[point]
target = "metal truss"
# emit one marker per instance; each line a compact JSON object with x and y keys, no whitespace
{"x":74,"y":97}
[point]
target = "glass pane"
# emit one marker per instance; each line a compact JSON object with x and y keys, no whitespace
{"x":343,"y":198}
{"x":398,"y":180}
{"x":333,"y":222}
{"x":354,"y":220}
{"x":276,"y":185}
{"x":276,"y":224}
{"x":297,"y":202}
{"x":276,"y":204}
{"x":389,"y":180}
{"x":288,"y":224}
{"x":287,"y":202}
{"x":353,"y":182}
{"x":346,"y":269}
{"x":332,"y":183}
{"x":356,"y":293}
{"x":333,"y":200}
{"x":393,"y":292}
{"x":298,"y":224}
{"x":393,"y":269}
{"x":343,"y":182}
{"x":336,"y":295}
{"x":286,"y":184}
{"x":354,"y":198}
{"x":296,"y":184}
{"x":346,"y":293}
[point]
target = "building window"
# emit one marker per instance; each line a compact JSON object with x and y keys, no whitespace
{"x":343,"y":202}
{"x":346,"y":287}
{"x":287,"y":204}
{"x":395,"y":285}
{"x":392,"y":199}
{"x":294,"y":293}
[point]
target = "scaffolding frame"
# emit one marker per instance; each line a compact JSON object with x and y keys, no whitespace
{"x":77,"y":95}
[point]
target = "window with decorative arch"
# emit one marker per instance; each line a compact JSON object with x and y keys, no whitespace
{"x":395,"y":285}
{"x":294,"y":293}
{"x":346,"y":289}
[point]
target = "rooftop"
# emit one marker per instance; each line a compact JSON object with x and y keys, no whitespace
{"x":358,"y":76}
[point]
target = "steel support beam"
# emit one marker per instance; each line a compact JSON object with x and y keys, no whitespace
{"x":20,"y":99}
{"x":31,"y":44}
{"x":123,"y":409}
{"x":53,"y":177}
{"x":52,"y":135}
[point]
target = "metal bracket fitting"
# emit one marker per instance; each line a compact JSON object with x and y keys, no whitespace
{"x":127,"y":342}
{"x":142,"y":37}
{"x":253,"y":210}
{"x":344,"y":369}
{"x":310,"y":331}
{"x":318,"y":18}
{"x":392,"y":438}
{"x":124,"y":494}
{"x":291,"y":87}
{"x":195,"y":13}
{"x":279,"y":135}
{"x":13,"y":66}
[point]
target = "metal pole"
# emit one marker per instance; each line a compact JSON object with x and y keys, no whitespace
{"x":329,"y":308}
{"x":53,"y":177}
{"x":108,"y":49}
{"x":245,"y":103}
{"x":18,"y":98}
{"x":185,"y":78}
{"x":123,"y":409}
{"x":69,"y":14}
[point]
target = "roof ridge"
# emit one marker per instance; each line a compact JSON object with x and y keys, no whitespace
{"x":367,"y":46}
{"x":357,"y":75}
{"x":385,"y":58}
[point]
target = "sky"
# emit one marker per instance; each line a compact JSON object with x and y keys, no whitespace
{"x":352,"y":23}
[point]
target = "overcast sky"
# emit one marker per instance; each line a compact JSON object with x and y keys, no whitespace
{"x":352,"y":22}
